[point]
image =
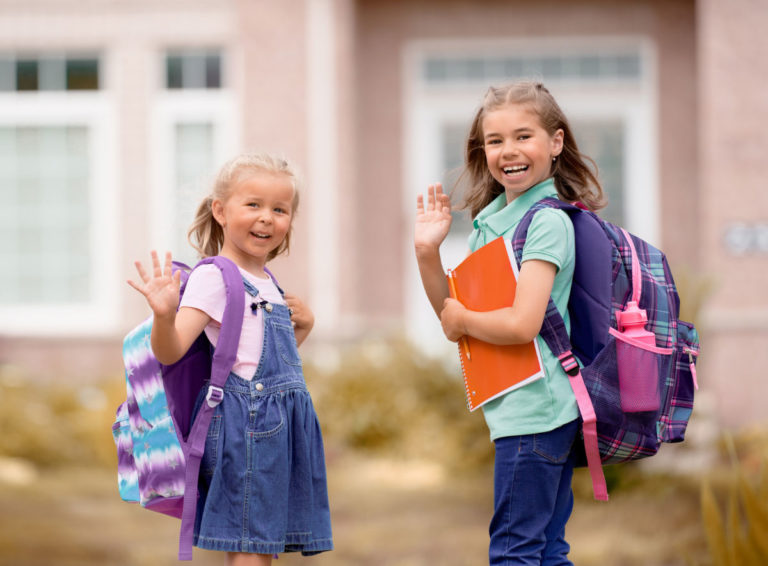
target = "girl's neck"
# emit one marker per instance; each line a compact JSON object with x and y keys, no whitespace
{"x":253,"y":265}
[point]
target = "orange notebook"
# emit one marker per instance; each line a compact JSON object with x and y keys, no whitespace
{"x":486,"y":280}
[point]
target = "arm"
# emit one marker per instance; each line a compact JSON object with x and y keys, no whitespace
{"x":518,"y":324}
{"x":433,"y":222}
{"x":302,"y":317}
{"x":172,"y":332}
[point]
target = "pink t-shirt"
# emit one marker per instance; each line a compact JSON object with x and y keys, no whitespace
{"x":205,"y":291}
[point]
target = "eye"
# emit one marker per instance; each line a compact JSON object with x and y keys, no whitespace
{"x":281,"y":210}
{"x":253,"y":204}
{"x":493,"y":141}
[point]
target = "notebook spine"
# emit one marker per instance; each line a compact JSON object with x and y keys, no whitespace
{"x":466,"y":381}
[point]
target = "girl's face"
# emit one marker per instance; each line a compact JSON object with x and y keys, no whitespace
{"x":255,"y":217}
{"x":518,"y":150}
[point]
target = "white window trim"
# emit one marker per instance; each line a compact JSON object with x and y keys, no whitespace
{"x":95,"y":111}
{"x":173,"y":107}
{"x":427,"y":107}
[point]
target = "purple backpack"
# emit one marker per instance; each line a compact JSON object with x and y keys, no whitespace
{"x":629,"y":359}
{"x":159,"y":446}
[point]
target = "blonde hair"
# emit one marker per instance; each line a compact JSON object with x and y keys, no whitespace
{"x":574,"y":179}
{"x":205,"y":234}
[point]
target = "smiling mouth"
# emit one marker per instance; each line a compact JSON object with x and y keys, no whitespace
{"x":515,"y":169}
{"x":261,"y":236}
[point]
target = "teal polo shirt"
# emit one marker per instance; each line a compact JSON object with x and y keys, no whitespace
{"x":549,"y":402}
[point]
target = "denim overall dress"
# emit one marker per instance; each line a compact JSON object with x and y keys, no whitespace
{"x":262,"y":477}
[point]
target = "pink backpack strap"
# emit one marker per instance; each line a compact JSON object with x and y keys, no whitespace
{"x":589,"y":424}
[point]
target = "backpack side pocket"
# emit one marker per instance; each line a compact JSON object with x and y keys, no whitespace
{"x":679,"y":404}
{"x":127,"y":479}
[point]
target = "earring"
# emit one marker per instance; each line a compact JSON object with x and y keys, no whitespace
{"x":554,"y":159}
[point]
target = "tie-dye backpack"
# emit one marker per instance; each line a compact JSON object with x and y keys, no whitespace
{"x":159,"y":446}
{"x":635,"y":385}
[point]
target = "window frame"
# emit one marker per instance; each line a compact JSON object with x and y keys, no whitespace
{"x":174,"y":106}
{"x":94,"y":111}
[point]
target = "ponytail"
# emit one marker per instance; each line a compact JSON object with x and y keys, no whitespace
{"x":205,"y":234}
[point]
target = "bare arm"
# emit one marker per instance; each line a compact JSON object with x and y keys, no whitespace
{"x":302,"y":317}
{"x":172,"y":332}
{"x":433,"y":222}
{"x":518,"y":324}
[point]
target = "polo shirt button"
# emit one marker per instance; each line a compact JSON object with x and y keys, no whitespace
{"x":259,"y":387}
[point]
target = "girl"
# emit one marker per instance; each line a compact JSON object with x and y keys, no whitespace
{"x":262,"y":480}
{"x":519,"y":150}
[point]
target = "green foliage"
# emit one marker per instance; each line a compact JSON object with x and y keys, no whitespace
{"x":738,"y":533}
{"x":387,"y":397}
{"x":53,"y":424}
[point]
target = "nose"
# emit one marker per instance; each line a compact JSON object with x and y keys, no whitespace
{"x":265,"y":216}
{"x":509,"y":147}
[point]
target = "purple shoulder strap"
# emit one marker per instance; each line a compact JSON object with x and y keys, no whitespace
{"x":590,"y":301}
{"x":223,"y":359}
{"x":591,"y":296}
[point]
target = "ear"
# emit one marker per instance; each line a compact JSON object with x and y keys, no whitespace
{"x":217,"y":209}
{"x":557,"y":142}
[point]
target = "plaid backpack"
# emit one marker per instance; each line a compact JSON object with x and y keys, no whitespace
{"x":635,"y":385}
{"x":159,"y":446}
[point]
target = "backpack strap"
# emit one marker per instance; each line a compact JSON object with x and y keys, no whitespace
{"x":224,"y":356}
{"x":554,"y":333}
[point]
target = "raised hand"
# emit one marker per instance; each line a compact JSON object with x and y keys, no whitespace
{"x":433,"y":221}
{"x":161,"y":288}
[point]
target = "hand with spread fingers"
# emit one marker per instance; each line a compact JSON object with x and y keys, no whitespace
{"x":161,"y":287}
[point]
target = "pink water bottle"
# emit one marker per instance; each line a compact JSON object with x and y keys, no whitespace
{"x":637,"y":361}
{"x":631,"y":322}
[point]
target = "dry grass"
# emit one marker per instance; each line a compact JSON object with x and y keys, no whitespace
{"x":410,"y":480}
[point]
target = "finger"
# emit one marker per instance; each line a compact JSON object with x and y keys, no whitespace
{"x":431,"y":197}
{"x":139,"y":288}
{"x":142,"y":272}
{"x":420,"y":204}
{"x":156,"y":264}
{"x":168,"y":270}
{"x":444,"y":203}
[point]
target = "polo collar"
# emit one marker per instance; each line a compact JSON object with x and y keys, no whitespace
{"x":498,"y":217}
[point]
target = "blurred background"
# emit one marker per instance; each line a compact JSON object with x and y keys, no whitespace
{"x":114,"y":118}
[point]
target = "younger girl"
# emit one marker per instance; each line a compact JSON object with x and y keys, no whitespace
{"x":519,"y":150}
{"x":262,"y":477}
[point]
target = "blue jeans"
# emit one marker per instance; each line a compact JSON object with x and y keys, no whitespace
{"x":533,"y":498}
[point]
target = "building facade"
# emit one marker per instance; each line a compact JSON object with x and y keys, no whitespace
{"x":114,"y":116}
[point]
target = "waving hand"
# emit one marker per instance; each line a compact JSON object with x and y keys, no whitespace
{"x":433,"y":220}
{"x":161,"y":288}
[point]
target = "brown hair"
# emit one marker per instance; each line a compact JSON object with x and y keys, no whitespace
{"x":574,"y":179}
{"x":205,"y":233}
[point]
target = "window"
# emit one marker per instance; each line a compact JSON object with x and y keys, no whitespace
{"x":193,"y":157}
{"x":188,"y":69}
{"x":45,"y":218}
{"x":57,"y":224}
{"x":67,"y":72}
{"x":194,"y":131}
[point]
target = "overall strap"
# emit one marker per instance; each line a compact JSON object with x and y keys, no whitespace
{"x":274,"y":280}
{"x":555,"y":335}
{"x":224,"y":356}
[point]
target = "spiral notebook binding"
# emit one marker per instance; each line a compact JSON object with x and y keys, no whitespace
{"x":466,"y":382}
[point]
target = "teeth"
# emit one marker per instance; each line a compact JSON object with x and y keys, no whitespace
{"x":515,"y":169}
